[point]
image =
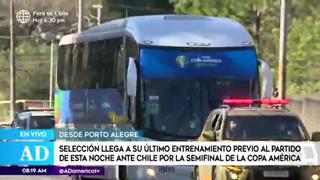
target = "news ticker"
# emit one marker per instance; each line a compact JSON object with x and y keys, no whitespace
{"x":127,"y":147}
{"x":51,"y":170}
{"x":89,"y":153}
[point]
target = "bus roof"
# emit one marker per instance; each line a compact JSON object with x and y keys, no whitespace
{"x":170,"y":31}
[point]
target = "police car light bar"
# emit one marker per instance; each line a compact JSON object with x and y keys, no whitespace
{"x":255,"y":101}
{"x":274,"y":101}
{"x":238,"y":101}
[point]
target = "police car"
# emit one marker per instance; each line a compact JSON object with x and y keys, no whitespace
{"x":253,"y":120}
{"x":34,"y":119}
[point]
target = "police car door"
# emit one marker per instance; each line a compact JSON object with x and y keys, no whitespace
{"x":216,"y":126}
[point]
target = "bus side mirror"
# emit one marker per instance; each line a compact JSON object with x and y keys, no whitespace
{"x":315,"y":136}
{"x":266,"y":79}
{"x":132,"y":78}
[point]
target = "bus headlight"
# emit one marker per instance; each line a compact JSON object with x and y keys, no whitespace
{"x":150,"y":172}
{"x":233,"y":176}
{"x":315,"y":177}
{"x":234,"y":172}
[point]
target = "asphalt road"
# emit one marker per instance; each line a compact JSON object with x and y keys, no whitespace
{"x":34,"y":177}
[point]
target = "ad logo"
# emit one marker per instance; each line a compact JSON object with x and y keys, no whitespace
{"x":41,"y":153}
{"x":182,"y":61}
{"x":23,"y":16}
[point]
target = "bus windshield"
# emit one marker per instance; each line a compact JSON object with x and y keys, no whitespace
{"x":179,"y":106}
{"x":178,"y":88}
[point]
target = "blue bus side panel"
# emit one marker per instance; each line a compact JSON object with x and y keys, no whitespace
{"x":87,"y":106}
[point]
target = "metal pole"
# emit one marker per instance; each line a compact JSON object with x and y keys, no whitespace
{"x":12,"y":65}
{"x":51,"y":74}
{"x":126,"y":12}
{"x":80,"y":4}
{"x":98,"y":7}
{"x":283,"y":50}
{"x":99,"y":14}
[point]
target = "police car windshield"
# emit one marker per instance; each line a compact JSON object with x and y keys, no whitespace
{"x":178,"y":107}
{"x":264,"y":127}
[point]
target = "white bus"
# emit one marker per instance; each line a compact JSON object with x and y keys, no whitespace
{"x":161,"y":74}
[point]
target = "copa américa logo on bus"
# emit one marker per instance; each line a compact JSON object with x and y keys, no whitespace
{"x":182,"y":61}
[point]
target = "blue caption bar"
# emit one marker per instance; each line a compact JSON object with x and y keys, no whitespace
{"x":19,"y":134}
{"x":99,"y":135}
{"x":52,"y":170}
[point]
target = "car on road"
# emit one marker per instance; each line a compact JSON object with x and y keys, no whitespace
{"x":253,"y":120}
{"x":34,"y":119}
{"x":4,"y":125}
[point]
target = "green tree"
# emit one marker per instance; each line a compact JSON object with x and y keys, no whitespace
{"x":303,"y":58}
{"x":121,"y":8}
{"x":261,"y":18}
{"x":32,"y":70}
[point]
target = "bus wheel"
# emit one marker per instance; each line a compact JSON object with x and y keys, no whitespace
{"x":123,"y":173}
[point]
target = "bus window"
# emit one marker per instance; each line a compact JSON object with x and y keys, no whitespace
{"x":90,"y":80}
{"x":89,"y":65}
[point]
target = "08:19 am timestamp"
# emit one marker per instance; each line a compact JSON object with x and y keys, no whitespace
{"x":34,"y":170}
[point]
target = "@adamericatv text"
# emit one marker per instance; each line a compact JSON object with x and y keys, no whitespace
{"x":81,"y":171}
